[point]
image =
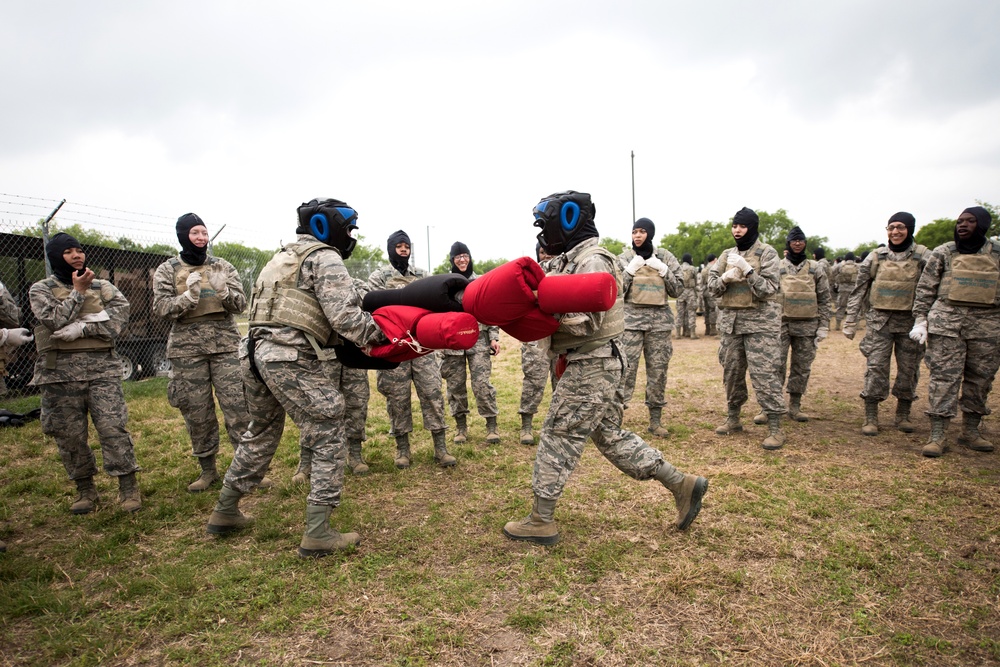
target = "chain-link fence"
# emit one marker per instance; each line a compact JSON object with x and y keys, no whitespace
{"x":123,"y":247}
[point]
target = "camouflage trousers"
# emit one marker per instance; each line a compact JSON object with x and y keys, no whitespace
{"x":190,"y":391}
{"x":840,"y":301}
{"x":536,"y":367}
{"x":306,"y":391}
{"x":657,"y":347}
{"x":480,"y":368}
{"x":878,"y":346}
{"x":588,"y":403}
{"x":65,"y":406}
{"x":959,"y":363}
{"x":425,"y":374}
{"x":687,"y":310}
{"x":760,"y":354}
{"x":803,"y":350}
{"x":352,"y":383}
{"x":711,"y":311}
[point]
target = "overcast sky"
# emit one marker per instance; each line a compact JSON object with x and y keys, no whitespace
{"x":453,"y":118}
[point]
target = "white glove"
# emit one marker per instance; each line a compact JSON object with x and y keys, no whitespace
{"x":919,"y":332}
{"x":70,"y":332}
{"x":735,"y":259}
{"x":733,"y":275}
{"x":850,"y":328}
{"x":657,"y":264}
{"x":637,"y":263}
{"x":194,"y":287}
{"x":18,"y":336}
{"x":821,"y":334}
{"x":218,"y":282}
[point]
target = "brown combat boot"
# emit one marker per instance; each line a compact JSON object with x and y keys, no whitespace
{"x":441,"y":455}
{"x":655,"y":414}
{"x":319,"y":539}
{"x":87,"y":498}
{"x":403,"y":451}
{"x":903,"y":422}
{"x":539,"y":527}
{"x":688,"y":490}
{"x":775,"y":438}
{"x":527,"y":434}
{"x":870,"y":426}
{"x":970,"y":436}
{"x":795,"y":408}
{"x":128,"y":493}
{"x":355,"y":463}
{"x":461,"y":430}
{"x":760,"y":418}
{"x":302,"y":474}
{"x":209,"y":475}
{"x":732,"y":424}
{"x":227,"y":517}
{"x":492,"y":436}
{"x":937,"y":445}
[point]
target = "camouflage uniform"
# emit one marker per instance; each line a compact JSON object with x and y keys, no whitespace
{"x":10,"y":318}
{"x":799,"y":335}
{"x":424,"y":372}
{"x":75,"y":383}
{"x":886,"y":331}
{"x":648,"y":330}
{"x":824,"y":265}
{"x":844,"y":277}
{"x":535,"y":367}
{"x":711,"y":307}
{"x":687,"y":301}
{"x":203,"y":353}
{"x":751,"y":336}
{"x":480,"y":363}
{"x":295,"y":380}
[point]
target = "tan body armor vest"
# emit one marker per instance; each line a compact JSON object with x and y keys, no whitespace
{"x":689,"y":276}
{"x":738,"y":295}
{"x":798,"y":292}
{"x":972,"y":280}
{"x":100,"y":292}
{"x":848,"y":273}
{"x":894,"y":282}
{"x":613,"y":325}
{"x":209,"y":304}
{"x":647,"y":288}
{"x":399,"y":280}
{"x":278,"y":301}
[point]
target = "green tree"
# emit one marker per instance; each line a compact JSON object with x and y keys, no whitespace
{"x":699,"y":239}
{"x":247,"y":261}
{"x":614,"y":246}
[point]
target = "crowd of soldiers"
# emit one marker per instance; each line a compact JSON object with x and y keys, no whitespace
{"x":306,"y":314}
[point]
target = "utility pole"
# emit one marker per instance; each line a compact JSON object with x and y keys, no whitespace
{"x":633,"y":186}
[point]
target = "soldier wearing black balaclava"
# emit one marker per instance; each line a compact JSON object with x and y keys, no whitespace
{"x":710,"y":305}
{"x":687,"y":302}
{"x":843,"y":278}
{"x":883,"y":294}
{"x":957,"y":313}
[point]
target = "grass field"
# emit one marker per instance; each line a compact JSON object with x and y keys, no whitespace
{"x":836,"y":550}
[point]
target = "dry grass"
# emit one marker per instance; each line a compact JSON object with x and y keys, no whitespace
{"x":837,"y":550}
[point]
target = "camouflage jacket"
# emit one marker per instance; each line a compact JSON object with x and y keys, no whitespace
{"x":381,"y":277}
{"x":858,"y":301}
{"x":944,"y":318}
{"x":765,"y":316}
{"x":10,"y":314}
{"x":651,"y":318}
{"x":824,"y":298}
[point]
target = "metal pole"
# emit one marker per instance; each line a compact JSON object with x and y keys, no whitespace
{"x":211,"y":241}
{"x":633,"y":186}
{"x":45,"y":235}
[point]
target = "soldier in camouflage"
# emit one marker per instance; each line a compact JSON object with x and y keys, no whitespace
{"x":823,"y":263}
{"x":687,"y":300}
{"x":746,"y":281}
{"x":303,"y":304}
{"x":79,"y":372}
{"x":883,"y":294}
{"x":842,"y":278}
{"x":10,"y":318}
{"x":9,"y":339}
{"x":957,"y":313}
{"x":480,"y":363}
{"x":650,"y":276}
{"x":536,"y":368}
{"x":588,"y":401}
{"x":199,"y":295}
{"x":711,"y":307}
{"x":424,"y":372}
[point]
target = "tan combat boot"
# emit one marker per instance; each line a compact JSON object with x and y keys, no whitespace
{"x":903,"y":422}
{"x":970,"y":436}
{"x":688,"y":490}
{"x":870,"y":426}
{"x":775,"y":438}
{"x":937,"y":445}
{"x":227,"y":517}
{"x":87,"y":498}
{"x":795,"y":408}
{"x":319,"y":539}
{"x":128,"y":493}
{"x":760,"y":418}
{"x":209,"y":475}
{"x":527,"y":434}
{"x":403,"y":451}
{"x":355,"y":463}
{"x":655,"y":414}
{"x":441,"y":455}
{"x":302,"y":474}
{"x":461,"y":430}
{"x":732,"y":424}
{"x":539,"y":527}
{"x":492,"y":436}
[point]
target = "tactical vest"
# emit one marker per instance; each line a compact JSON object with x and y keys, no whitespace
{"x":277,"y":300}
{"x":798,"y":292}
{"x":894,"y":282}
{"x":689,"y":276}
{"x":613,"y":324}
{"x":848,"y":273}
{"x":971,"y":280}
{"x":100,"y":293}
{"x":647,"y":288}
{"x":209,"y":304}
{"x":738,"y":294}
{"x":399,"y":280}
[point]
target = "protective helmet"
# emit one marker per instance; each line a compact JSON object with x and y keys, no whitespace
{"x":565,"y":218}
{"x":331,"y":221}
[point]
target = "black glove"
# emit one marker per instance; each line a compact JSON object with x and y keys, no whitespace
{"x":351,"y":356}
{"x":435,"y":293}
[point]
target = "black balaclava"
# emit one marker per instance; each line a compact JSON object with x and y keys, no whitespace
{"x":978,"y":238}
{"x":190,"y":253}
{"x":863,"y":255}
{"x":819,"y":253}
{"x":749,"y":219}
{"x":459,"y":248}
{"x":57,"y":245}
{"x":795,"y":234}
{"x":646,"y":249}
{"x":538,"y":251}
{"x":849,"y":256}
{"x":911,"y":224}
{"x":686,"y":258}
{"x":566,"y":219}
{"x":401,"y":264}
{"x":709,"y":258}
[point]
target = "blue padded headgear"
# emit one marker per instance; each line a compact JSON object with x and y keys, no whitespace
{"x":566,"y":219}
{"x":330,"y":221}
